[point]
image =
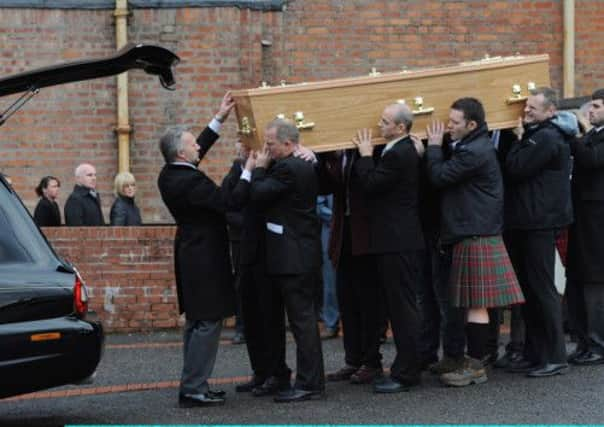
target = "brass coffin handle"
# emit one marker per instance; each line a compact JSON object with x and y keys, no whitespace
{"x":418,"y":102}
{"x":300,"y":123}
{"x":517,"y":93}
{"x":245,"y":128}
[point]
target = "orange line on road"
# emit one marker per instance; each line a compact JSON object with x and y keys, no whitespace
{"x":154,"y":345}
{"x":120,"y":388}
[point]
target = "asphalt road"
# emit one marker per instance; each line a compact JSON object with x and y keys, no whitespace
{"x":152,"y":364}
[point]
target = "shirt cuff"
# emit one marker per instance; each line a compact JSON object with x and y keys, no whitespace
{"x":246,"y":175}
{"x":215,"y":125}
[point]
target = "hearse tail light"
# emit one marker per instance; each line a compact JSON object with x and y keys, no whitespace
{"x":80,"y":297}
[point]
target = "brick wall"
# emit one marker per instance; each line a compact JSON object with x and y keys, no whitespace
{"x":221,"y":49}
{"x":129,"y":273}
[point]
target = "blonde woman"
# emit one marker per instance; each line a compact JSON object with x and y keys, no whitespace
{"x":124,"y":210}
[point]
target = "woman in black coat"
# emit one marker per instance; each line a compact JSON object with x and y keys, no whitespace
{"x":47,"y":213}
{"x":124,"y":211}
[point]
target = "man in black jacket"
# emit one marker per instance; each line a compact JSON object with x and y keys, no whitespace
{"x":395,"y":238}
{"x":83,"y":206}
{"x":202,"y":266}
{"x":537,"y":205}
{"x":286,"y":190}
{"x":585,"y":271}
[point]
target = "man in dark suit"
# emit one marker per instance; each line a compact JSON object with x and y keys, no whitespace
{"x":83,"y":206}
{"x":287,"y":190}
{"x":585,"y":271}
{"x":202,"y":265}
{"x":359,"y":300}
{"x":264,"y":333}
{"x":395,"y":238}
{"x":537,"y":205}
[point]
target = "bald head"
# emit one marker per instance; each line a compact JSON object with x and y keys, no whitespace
{"x":85,"y":175}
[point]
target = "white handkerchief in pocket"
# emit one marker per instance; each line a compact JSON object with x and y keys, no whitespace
{"x":275,"y":228}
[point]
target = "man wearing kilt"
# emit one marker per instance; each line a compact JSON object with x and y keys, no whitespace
{"x":472,"y":221}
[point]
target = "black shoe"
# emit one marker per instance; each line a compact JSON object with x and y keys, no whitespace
{"x":247,"y":387}
{"x":271,"y":386}
{"x":579,"y":353}
{"x":589,"y":358}
{"x":201,"y":399}
{"x":342,"y":374}
{"x":394,"y":385}
{"x":298,"y":395}
{"x":510,"y":357}
{"x":216,"y":393}
{"x":548,"y":370}
{"x":489,"y":359}
{"x":522,"y":366}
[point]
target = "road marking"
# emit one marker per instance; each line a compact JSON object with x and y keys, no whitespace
{"x":120,"y":388}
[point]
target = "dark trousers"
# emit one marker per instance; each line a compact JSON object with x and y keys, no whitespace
{"x":359,"y":303}
{"x":200,"y":345}
{"x":533,"y":255}
{"x":235,"y":245}
{"x":397,"y":275}
{"x":438,"y":317}
{"x":586,"y":314}
{"x":296,"y":293}
{"x":264,"y":327}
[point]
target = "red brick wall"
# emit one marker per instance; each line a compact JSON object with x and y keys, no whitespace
{"x":220,"y":49}
{"x":128,"y":271}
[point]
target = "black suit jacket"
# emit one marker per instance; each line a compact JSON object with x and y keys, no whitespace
{"x":586,"y":235}
{"x":245,"y":218}
{"x":391,"y":186}
{"x":202,"y":264}
{"x":287,"y":192}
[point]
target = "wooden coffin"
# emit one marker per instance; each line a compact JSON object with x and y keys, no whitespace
{"x":333,"y":110}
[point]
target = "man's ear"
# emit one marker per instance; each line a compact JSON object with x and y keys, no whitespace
{"x":472,"y":125}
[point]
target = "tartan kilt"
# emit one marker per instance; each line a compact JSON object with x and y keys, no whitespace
{"x":482,"y":274}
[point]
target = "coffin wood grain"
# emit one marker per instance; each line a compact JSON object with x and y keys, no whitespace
{"x":340,"y":107}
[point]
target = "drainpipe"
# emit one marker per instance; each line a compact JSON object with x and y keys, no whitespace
{"x":569,"y":49}
{"x":123,"y":126}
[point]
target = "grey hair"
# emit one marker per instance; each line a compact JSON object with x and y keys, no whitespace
{"x":402,"y":114}
{"x":170,"y":142}
{"x":286,"y":130}
{"x":550,"y":96}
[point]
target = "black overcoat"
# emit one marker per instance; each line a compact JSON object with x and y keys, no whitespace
{"x":202,"y":264}
{"x":47,"y":213}
{"x":83,"y":209}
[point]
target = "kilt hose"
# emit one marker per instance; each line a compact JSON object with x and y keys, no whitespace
{"x":482,"y":274}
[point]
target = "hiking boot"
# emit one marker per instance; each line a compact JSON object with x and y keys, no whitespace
{"x":472,"y":372}
{"x":446,"y":364}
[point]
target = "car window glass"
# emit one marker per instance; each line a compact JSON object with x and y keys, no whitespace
{"x":20,"y":239}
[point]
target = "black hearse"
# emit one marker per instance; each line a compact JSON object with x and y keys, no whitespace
{"x":46,"y":339}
